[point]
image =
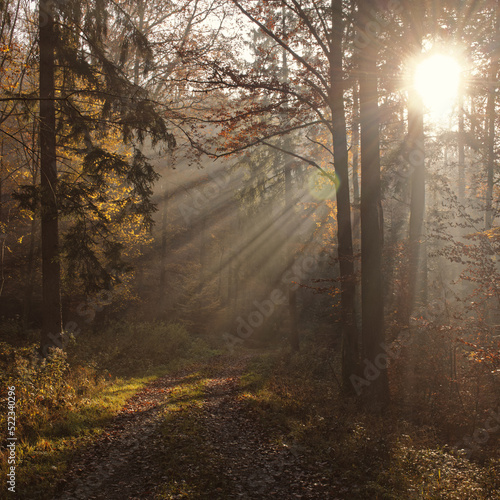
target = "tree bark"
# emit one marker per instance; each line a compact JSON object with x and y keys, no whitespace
{"x":461,"y":145}
{"x":30,"y":272}
{"x":355,"y":145}
{"x":416,"y":158}
{"x":289,"y":205}
{"x":491,"y":116}
{"x":163,"y":250}
{"x":51,"y":271}
{"x":372,"y":295}
{"x":340,"y":159}
{"x":292,"y":292}
{"x":140,"y":27}
{"x":2,"y":234}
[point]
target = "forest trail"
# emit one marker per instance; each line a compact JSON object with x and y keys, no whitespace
{"x":211,"y":448}
{"x":119,"y":463}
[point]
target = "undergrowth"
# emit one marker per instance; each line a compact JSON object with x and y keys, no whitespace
{"x":295,"y":398}
{"x":65,"y":400}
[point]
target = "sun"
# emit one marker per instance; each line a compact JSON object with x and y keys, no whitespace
{"x":437,"y":80}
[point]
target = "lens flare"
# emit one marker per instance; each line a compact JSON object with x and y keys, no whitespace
{"x":322,"y":187}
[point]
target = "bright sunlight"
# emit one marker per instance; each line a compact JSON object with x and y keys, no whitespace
{"x":437,"y":81}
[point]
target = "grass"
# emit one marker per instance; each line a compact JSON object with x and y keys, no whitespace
{"x":42,"y":462}
{"x":293,"y":398}
{"x":64,"y":403}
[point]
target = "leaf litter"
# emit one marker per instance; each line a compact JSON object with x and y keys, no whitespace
{"x":231,"y":455}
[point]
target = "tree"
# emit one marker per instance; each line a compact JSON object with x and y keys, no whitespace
{"x":340,"y":161}
{"x":51,"y":267}
{"x":313,"y":96}
{"x":372,"y":221}
{"x":416,"y":158}
{"x":491,"y":120}
{"x":290,"y":202}
{"x":98,"y":190}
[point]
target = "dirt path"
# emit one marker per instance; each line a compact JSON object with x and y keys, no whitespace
{"x":257,"y":467}
{"x":124,"y":463}
{"x":120,"y":465}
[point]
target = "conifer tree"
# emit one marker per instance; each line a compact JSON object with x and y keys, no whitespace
{"x":88,"y":187}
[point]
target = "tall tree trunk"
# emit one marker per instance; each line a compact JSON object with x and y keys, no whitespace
{"x":416,"y":158}
{"x":2,"y":234}
{"x":461,"y":145}
{"x":372,"y":295}
{"x":473,"y":117}
{"x":51,"y":271}
{"x":30,"y":277}
{"x":234,"y":269}
{"x":292,"y":292}
{"x":355,"y":163}
{"x":355,"y":145}
{"x":491,"y":116}
{"x":203,"y":258}
{"x":163,"y":251}
{"x":340,"y":159}
{"x":163,"y":237}
{"x":140,"y":27}
{"x":289,"y":205}
{"x":30,"y":272}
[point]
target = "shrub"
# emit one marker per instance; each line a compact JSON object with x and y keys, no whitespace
{"x":41,"y":386}
{"x":135,"y":348}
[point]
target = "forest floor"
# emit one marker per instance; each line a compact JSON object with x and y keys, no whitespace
{"x":192,"y":436}
{"x":258,"y":426}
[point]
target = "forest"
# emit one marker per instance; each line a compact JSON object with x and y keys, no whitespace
{"x":248,"y":249}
